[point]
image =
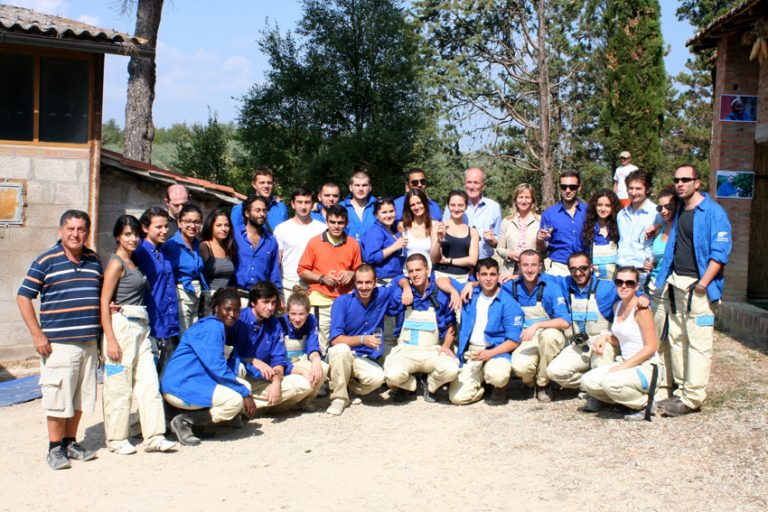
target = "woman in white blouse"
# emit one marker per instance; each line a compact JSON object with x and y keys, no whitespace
{"x":518,"y":230}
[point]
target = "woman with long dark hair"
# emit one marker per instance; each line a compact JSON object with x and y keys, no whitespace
{"x":217,"y":248}
{"x":129,"y":366}
{"x":382,"y":246}
{"x":601,"y":233}
{"x":416,"y":225}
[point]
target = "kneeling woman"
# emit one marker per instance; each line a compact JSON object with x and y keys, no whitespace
{"x":197,"y":378}
{"x":129,"y":368}
{"x":626,"y":381}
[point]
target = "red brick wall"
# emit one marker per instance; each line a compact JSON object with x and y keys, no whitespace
{"x":733,"y":148}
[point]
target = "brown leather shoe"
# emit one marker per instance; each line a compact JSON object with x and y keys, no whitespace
{"x":661,"y":403}
{"x":677,"y":408}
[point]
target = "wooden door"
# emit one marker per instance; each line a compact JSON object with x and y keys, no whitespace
{"x":757,"y":287}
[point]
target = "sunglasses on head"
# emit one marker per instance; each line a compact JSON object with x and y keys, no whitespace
{"x":563,"y":186}
{"x":684,"y":180}
{"x":669,"y":207}
{"x":629,"y":283}
{"x":583,"y":269}
{"x":416,"y":183}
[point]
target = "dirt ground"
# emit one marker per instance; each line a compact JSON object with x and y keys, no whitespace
{"x":418,"y":456}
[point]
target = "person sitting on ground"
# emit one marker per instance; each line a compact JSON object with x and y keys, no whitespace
{"x":628,"y":380}
{"x":590,"y":301}
{"x":303,"y":347}
{"x":425,"y":336}
{"x":601,"y":234}
{"x":129,"y":366}
{"x":546,"y":317}
{"x":490,"y":331}
{"x":357,"y":336}
{"x":197,"y":379}
{"x":259,"y":354}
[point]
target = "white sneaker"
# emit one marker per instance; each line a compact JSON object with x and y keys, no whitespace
{"x":336,"y":407}
{"x":125,"y":448}
{"x":163,"y":445}
{"x":357,"y":401}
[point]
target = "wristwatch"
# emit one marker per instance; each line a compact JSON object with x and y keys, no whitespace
{"x":321,"y":280}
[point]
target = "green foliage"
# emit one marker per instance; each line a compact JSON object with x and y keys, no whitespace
{"x":701,"y":13}
{"x":342,"y":92}
{"x":632,"y":117}
{"x":112,"y":135}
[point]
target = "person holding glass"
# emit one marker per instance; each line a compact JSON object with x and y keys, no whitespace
{"x":417,"y":224}
{"x":455,"y":244}
{"x":382,"y":244}
{"x":183,"y":251}
{"x":562,"y":224}
{"x":518,"y":230}
{"x":217,"y":248}
{"x":357,"y":321}
{"x":601,"y":233}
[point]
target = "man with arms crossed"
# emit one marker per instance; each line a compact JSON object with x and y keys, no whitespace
{"x":68,"y":279}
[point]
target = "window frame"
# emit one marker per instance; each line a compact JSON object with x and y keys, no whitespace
{"x":37,"y":53}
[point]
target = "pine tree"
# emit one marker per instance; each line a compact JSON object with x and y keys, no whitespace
{"x":632,"y":116}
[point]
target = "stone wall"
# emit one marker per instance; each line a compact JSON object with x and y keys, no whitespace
{"x":56,"y":179}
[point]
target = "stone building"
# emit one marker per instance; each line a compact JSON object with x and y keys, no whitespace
{"x":51,"y":157}
{"x":742,"y":147}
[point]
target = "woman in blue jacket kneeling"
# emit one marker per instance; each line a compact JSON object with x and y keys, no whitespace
{"x":197,"y":379}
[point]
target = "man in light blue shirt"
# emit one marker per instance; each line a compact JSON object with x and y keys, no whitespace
{"x":482,"y":213}
{"x":633,"y":220}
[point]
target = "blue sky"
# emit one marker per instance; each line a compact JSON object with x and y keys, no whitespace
{"x":207,"y":54}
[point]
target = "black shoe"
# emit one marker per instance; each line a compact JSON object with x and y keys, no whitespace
{"x":398,"y":395}
{"x":428,"y":397}
{"x":182,"y":425}
{"x":499,"y":396}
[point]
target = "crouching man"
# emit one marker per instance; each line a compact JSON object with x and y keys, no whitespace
{"x":490,"y":330}
{"x":357,"y":329}
{"x":260,"y":355}
{"x":419,"y":348}
{"x":197,"y":379}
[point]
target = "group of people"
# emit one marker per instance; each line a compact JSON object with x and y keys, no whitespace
{"x":206,"y":319}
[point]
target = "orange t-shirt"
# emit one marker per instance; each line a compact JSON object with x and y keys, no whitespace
{"x":322,"y":257}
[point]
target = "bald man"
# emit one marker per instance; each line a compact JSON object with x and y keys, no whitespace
{"x":175,"y":197}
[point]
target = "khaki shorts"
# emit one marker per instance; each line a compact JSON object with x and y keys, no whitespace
{"x":68,"y":378}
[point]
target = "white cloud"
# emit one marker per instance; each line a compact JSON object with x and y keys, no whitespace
{"x":46,"y":6}
{"x":90,"y":20}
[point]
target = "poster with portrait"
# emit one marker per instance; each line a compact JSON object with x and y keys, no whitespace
{"x":738,"y":109}
{"x":735,"y":184}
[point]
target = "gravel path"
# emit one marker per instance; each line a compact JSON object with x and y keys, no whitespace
{"x":417,"y":456}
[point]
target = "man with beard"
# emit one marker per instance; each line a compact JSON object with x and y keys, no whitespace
{"x":258,"y":257}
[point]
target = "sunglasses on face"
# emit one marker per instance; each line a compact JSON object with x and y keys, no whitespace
{"x":629,"y":283}
{"x":684,"y":180}
{"x":416,"y":183}
{"x":583,"y":269}
{"x":669,"y":207}
{"x":568,"y":187}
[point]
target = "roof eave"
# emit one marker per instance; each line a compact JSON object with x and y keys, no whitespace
{"x":90,"y":46}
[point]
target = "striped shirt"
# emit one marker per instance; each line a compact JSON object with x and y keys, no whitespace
{"x":69,"y":294}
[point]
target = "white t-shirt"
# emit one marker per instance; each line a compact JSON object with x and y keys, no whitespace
{"x":292,"y":238}
{"x":477,"y":338}
{"x":619,"y":176}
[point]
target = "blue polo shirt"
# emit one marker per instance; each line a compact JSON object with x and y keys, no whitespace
{"x":197,"y":365}
{"x":263,"y":341}
{"x":445,"y":315}
{"x":604,"y":293}
{"x":309,"y":329}
{"x":712,"y":240}
{"x":260,"y":263}
{"x":349,"y":317}
{"x":357,"y":226}
{"x":187,"y":263}
{"x":162,"y":302}
{"x":505,"y":321}
{"x":566,"y":236}
{"x":277,"y":212}
{"x":69,"y":294}
{"x":434,"y":209}
{"x":552,"y":300}
{"x":373,"y":242}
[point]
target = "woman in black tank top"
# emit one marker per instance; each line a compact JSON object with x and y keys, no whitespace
{"x":455,"y":245}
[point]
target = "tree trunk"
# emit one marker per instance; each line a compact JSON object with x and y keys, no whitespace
{"x":139,"y":130}
{"x":545,"y":111}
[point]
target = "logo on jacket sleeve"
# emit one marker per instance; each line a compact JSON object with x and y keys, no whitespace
{"x":722,"y":236}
